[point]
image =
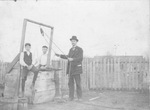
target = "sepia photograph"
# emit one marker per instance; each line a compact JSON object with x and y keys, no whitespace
{"x":74,"y":55}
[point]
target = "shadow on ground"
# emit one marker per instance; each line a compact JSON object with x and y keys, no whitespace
{"x":101,"y":100}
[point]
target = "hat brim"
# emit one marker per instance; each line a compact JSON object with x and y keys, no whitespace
{"x":74,"y":39}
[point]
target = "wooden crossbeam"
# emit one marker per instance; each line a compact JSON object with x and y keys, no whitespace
{"x":12,"y":64}
{"x":39,"y":23}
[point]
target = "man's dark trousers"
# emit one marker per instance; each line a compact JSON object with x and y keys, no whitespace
{"x":77,"y":79}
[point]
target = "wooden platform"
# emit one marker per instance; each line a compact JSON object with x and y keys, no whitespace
{"x":44,"y":90}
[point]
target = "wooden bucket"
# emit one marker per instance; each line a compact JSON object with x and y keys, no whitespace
{"x":22,"y":104}
{"x":44,"y":90}
{"x":8,"y":103}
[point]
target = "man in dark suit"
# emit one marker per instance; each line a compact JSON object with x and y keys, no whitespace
{"x":74,"y":68}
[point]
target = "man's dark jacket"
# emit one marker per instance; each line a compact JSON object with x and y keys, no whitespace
{"x":75,"y":66}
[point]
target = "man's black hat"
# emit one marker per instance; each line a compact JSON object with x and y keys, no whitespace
{"x":74,"y":38}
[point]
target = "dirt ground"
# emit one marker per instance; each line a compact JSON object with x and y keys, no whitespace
{"x":101,"y":100}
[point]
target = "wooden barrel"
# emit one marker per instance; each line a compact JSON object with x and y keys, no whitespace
{"x":8,"y":103}
{"x":44,"y":89}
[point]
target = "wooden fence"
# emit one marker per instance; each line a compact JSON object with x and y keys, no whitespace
{"x":105,"y":72}
{"x":3,"y":66}
{"x":118,"y":73}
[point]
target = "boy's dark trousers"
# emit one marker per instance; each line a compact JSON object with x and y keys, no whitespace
{"x":25,"y":72}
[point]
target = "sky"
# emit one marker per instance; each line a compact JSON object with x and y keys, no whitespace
{"x":105,"y":27}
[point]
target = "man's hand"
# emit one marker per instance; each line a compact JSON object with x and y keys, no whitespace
{"x":29,"y":67}
{"x":70,"y":59}
{"x":58,"y":55}
{"x":26,"y":65}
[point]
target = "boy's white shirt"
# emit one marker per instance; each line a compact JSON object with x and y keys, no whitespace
{"x":42,"y":60}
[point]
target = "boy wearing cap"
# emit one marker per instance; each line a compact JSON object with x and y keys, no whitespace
{"x":42,"y":60}
{"x":26,"y":61}
{"x":74,"y":68}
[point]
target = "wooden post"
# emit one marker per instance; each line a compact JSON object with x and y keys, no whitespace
{"x":21,"y":49}
{"x":50,"y":48}
{"x":23,"y":35}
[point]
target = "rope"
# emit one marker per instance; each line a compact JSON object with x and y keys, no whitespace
{"x":55,"y":44}
{"x":43,"y":33}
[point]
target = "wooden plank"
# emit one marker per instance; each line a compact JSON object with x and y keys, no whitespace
{"x":105,"y":74}
{"x":39,"y":23}
{"x":109,"y":73}
{"x":94,"y":74}
{"x":135,"y":74}
{"x":141,"y":76}
{"x":115,"y":74}
{"x":85,"y":73}
{"x":83,"y":76}
{"x":100,"y":78}
{"x":0,"y":72}
{"x":124,"y":74}
{"x":63,"y":75}
{"x":89,"y":74}
{"x":112,"y":72}
{"x":66,"y":76}
{"x":129,"y":74}
{"x":120,"y":74}
{"x":146,"y":71}
{"x":50,"y":47}
{"x":99,"y":74}
{"x":137,"y":71}
{"x":12,"y":64}
{"x":90,"y":77}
